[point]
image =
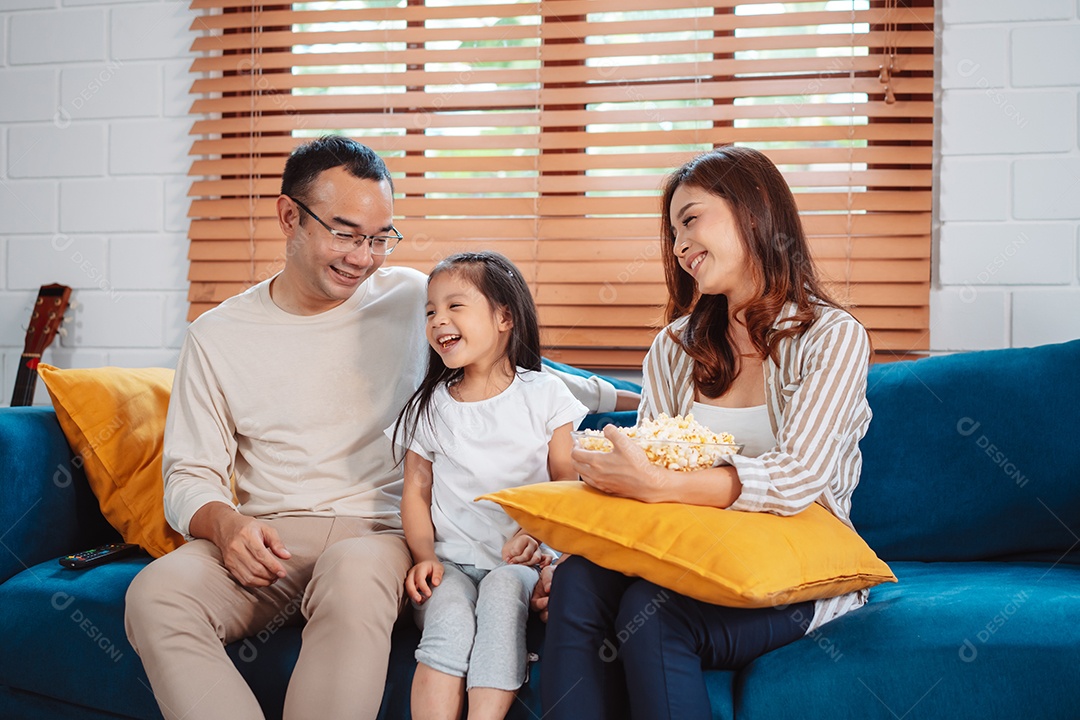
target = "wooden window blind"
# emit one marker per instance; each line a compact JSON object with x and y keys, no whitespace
{"x":543,"y":130}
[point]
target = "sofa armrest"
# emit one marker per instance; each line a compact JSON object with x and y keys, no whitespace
{"x":46,"y":506}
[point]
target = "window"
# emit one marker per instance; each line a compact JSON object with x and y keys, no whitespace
{"x":543,"y":130}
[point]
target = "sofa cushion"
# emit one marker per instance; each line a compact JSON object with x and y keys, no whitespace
{"x":64,"y":641}
{"x":719,"y":556}
{"x":972,"y":456}
{"x":64,"y":638}
{"x":18,"y":704}
{"x":114,"y":419}
{"x":950,"y":640}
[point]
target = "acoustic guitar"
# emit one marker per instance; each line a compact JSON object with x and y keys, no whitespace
{"x":49,"y":308}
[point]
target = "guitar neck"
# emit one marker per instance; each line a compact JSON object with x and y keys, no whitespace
{"x":45,"y":319}
{"x":25,"y":380}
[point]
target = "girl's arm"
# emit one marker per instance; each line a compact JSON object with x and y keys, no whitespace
{"x":560,"y":466}
{"x":523,"y":548}
{"x":419,"y":530}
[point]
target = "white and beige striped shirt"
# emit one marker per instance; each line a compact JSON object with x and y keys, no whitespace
{"x":816,"y":398}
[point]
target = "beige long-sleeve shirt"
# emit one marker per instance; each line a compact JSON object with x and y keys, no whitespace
{"x":294,"y":406}
{"x":816,"y":398}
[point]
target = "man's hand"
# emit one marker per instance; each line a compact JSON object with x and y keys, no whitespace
{"x":522,"y":549}
{"x":422,"y":578}
{"x":541,"y":592}
{"x":249,"y":548}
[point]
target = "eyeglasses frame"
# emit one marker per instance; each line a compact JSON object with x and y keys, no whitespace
{"x":356,"y":238}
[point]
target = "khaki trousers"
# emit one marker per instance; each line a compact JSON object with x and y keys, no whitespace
{"x":345,"y":579}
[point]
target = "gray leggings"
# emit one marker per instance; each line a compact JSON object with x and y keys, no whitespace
{"x":474,"y":624}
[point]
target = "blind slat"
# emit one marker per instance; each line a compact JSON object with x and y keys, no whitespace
{"x":514,"y":99}
{"x":631,"y":140}
{"x":808,"y":67}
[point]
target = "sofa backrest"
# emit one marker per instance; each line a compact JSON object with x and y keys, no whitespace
{"x":46,"y":506}
{"x":973,"y":456}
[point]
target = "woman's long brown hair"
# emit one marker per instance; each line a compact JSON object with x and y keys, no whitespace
{"x":782,"y":270}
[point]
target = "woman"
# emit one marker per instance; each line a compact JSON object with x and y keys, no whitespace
{"x":754,"y":347}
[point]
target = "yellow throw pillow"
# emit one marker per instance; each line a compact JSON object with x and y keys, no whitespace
{"x":114,"y":420}
{"x":725,"y":557}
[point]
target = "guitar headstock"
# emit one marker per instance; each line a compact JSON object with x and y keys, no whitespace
{"x":52,"y":302}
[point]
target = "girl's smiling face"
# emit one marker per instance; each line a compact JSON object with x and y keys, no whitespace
{"x":462,"y":325}
{"x":708,"y":245}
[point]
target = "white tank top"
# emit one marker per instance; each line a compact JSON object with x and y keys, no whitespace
{"x":749,"y":425}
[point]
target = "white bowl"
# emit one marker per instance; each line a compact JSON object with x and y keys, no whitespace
{"x":673,"y":454}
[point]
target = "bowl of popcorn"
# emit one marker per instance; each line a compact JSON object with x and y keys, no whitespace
{"x":676,"y":443}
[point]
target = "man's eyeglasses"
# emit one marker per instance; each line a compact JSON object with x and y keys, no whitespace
{"x":348,"y":242}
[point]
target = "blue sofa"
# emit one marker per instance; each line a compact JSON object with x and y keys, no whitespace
{"x":970,"y":490}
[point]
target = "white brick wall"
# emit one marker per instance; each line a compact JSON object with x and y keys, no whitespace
{"x":93,"y":142}
{"x":57,"y":36}
{"x":1008,"y":256}
{"x":48,"y":151}
{"x":93,"y":165}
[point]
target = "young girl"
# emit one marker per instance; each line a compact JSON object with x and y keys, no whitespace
{"x":484,"y":418}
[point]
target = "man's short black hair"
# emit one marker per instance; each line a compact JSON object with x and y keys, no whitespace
{"x":330,"y":151}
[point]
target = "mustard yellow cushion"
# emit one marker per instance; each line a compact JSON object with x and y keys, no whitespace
{"x":725,"y":557}
{"x":114,"y":420}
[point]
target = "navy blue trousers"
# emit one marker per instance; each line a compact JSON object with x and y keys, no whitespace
{"x":619,"y":646}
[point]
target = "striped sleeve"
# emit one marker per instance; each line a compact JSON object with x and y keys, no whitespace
{"x":667,"y":374}
{"x":824,"y":414}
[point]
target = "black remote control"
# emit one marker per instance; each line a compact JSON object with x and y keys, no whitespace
{"x":97,"y":556}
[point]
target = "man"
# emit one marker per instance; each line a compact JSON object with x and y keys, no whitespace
{"x":281,"y":396}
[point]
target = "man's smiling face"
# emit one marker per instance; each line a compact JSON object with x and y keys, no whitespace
{"x":322,"y":277}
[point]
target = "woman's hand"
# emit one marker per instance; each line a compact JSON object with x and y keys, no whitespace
{"x":422,"y":578}
{"x":625,"y":471}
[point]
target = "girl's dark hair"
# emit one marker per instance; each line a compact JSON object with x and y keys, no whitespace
{"x":782,"y":270}
{"x":324,"y":153}
{"x":501,"y":283}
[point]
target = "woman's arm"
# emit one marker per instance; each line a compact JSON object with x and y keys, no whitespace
{"x":627,"y":472}
{"x":824,"y":416}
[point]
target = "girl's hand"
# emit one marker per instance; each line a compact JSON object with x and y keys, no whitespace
{"x":625,"y":471}
{"x":422,"y":578}
{"x":522,"y":549}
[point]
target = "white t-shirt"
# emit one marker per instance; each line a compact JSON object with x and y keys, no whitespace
{"x":750,"y":425}
{"x":480,"y":447}
{"x":294,"y":406}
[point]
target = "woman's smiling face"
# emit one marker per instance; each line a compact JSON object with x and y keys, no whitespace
{"x":708,"y":245}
